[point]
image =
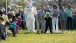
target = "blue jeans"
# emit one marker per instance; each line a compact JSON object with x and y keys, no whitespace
{"x":69,"y":23}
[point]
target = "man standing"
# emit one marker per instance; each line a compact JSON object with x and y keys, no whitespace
{"x":47,"y":11}
{"x":63,"y":19}
{"x":40,"y":19}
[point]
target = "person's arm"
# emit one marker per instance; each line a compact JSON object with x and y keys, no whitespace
{"x":27,"y":19}
{"x":50,"y":18}
{"x":35,"y":12}
{"x":51,"y":14}
{"x":58,"y":11}
{"x":66,"y":11}
{"x":65,"y":16}
{"x":37,"y":16}
{"x":73,"y":11}
{"x":45,"y":18}
{"x":22,"y":20}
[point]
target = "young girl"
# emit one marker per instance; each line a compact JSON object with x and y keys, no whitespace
{"x":18,"y":23}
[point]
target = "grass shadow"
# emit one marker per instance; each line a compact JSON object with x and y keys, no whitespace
{"x":41,"y":33}
{"x":58,"y":33}
{"x":29,"y":33}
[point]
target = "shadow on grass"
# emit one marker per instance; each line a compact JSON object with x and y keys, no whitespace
{"x":41,"y":33}
{"x":29,"y":33}
{"x":58,"y":33}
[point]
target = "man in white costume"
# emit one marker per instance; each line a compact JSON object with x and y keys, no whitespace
{"x":30,"y":20}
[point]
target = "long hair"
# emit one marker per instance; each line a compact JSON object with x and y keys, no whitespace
{"x":55,"y":6}
{"x":69,"y":6}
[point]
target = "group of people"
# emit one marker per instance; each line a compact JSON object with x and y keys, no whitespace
{"x":11,"y":21}
{"x":44,"y":16}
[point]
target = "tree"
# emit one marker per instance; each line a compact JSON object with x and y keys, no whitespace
{"x":63,"y":2}
{"x":60,"y":2}
{"x":3,"y":3}
{"x":21,"y":3}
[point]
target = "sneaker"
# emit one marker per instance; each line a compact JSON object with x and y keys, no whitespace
{"x":51,"y":32}
{"x":38,"y":32}
{"x":42,"y":32}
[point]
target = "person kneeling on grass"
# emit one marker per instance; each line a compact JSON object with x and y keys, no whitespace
{"x":48,"y":19}
{"x":18,"y":23}
{"x":13,"y":27}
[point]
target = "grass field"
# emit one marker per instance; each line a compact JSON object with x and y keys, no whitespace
{"x":23,"y":37}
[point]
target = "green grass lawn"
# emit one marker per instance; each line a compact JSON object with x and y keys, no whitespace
{"x":23,"y":37}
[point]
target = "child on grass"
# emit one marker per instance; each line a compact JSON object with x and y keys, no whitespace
{"x":48,"y":19}
{"x":18,"y":23}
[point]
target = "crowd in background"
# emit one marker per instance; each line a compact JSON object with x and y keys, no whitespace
{"x":16,"y":21}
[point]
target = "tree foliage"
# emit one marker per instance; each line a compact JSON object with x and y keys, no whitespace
{"x":21,"y":3}
{"x":3,"y":3}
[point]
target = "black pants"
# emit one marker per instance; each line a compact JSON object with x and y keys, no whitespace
{"x":70,"y":23}
{"x":46,"y":28}
{"x":13,"y":32}
{"x":3,"y":37}
{"x":22,"y":25}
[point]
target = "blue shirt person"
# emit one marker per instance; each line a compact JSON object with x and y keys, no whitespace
{"x":63,"y":19}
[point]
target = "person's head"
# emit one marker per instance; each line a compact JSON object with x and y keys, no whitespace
{"x":7,"y":24}
{"x":12,"y":13}
{"x":47,"y":7}
{"x":75,"y":8}
{"x":19,"y":18}
{"x":22,"y":11}
{"x":1,"y":19}
{"x":42,"y":8}
{"x":1,"y":13}
{"x":62,"y":8}
{"x":15,"y":20}
{"x":9,"y":7}
{"x":69,"y":6}
{"x":19,"y":11}
{"x":47,"y":15}
{"x":54,"y":6}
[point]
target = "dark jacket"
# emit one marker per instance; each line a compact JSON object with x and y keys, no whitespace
{"x":21,"y":15}
{"x":48,"y":20}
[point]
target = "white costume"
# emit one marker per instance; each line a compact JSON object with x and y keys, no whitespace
{"x":30,"y":20}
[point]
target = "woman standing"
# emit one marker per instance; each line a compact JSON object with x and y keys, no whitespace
{"x":69,"y":12}
{"x":55,"y":14}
